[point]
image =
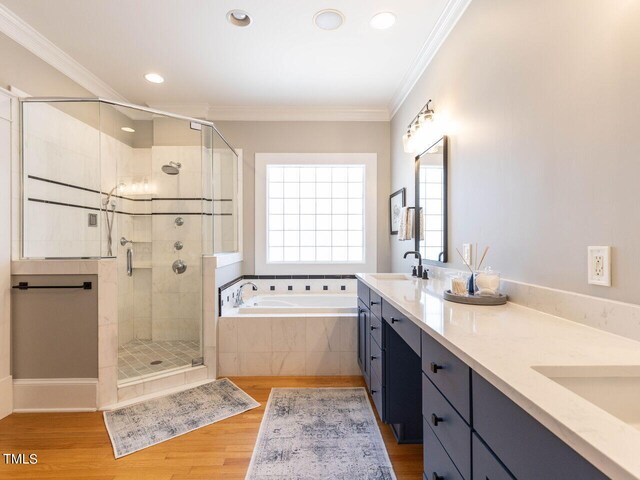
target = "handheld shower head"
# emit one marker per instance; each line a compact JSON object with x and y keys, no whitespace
{"x":172,"y":168}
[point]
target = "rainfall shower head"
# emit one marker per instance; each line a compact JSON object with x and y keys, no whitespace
{"x":172,"y":168}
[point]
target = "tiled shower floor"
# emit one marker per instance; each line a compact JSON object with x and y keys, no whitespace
{"x":135,"y":357}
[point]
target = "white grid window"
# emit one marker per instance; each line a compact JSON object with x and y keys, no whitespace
{"x":315,"y":213}
{"x":431,"y":222}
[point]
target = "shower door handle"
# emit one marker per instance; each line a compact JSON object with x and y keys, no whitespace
{"x":129,"y":262}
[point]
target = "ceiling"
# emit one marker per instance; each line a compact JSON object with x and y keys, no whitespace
{"x":281,"y":60}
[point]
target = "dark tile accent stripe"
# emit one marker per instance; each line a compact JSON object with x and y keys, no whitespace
{"x":51,"y":202}
{"x":77,"y":187}
{"x":73,"y":205}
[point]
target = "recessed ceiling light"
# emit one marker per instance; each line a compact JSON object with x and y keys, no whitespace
{"x":127,"y":129}
{"x":154,"y":78}
{"x":382,"y":20}
{"x":328,"y":19}
{"x":239,"y":18}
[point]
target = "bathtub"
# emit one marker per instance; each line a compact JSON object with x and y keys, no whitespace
{"x":290,"y":334}
{"x":300,"y":304}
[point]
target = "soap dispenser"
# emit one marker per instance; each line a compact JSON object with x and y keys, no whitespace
{"x":414,"y":272}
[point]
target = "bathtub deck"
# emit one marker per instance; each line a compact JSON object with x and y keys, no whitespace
{"x":76,"y":445}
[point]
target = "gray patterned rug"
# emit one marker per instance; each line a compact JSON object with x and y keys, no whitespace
{"x":154,"y":421}
{"x":319,"y":433}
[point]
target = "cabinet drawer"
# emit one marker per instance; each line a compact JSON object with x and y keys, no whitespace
{"x":376,"y":329}
{"x":375,"y":304}
{"x":363,"y":293}
{"x":527,"y":448}
{"x":375,"y":358}
{"x":450,"y":374}
{"x":452,"y":431}
{"x":485,"y":465}
{"x":407,"y":330}
{"x":437,"y":464}
{"x":377,"y":394}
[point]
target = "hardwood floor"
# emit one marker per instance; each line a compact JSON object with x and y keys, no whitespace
{"x":76,"y":445}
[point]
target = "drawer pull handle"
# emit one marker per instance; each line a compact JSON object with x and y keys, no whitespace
{"x":374,"y":303}
{"x":435,"y":420}
{"x":373,"y":391}
{"x":394,"y":320}
{"x":435,"y":476}
{"x":435,"y":367}
{"x":373,"y":328}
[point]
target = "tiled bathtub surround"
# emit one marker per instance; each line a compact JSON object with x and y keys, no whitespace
{"x":287,"y":345}
{"x":285,"y":284}
{"x":608,"y":315}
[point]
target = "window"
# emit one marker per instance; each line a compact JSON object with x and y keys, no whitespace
{"x":315,"y":213}
{"x":432,"y":239}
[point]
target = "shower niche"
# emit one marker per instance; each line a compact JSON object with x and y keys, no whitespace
{"x":108,"y":180}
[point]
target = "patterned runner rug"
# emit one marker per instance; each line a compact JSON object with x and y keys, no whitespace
{"x":148,"y":423}
{"x":319,"y":433}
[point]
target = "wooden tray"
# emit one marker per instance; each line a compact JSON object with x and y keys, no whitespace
{"x":474,"y":299}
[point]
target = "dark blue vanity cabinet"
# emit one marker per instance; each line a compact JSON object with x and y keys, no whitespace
{"x":470,"y":430}
{"x":394,"y":381}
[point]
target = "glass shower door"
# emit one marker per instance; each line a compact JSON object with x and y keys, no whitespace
{"x":158,"y":240}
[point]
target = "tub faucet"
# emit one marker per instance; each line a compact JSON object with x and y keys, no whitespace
{"x":239,"y":299}
{"x":419,"y":257}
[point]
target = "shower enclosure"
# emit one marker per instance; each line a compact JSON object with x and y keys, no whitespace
{"x":104,"y":179}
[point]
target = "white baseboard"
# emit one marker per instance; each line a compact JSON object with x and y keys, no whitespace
{"x":55,"y":395}
{"x":6,"y":396}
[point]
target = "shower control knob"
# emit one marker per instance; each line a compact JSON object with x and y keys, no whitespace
{"x":179,"y":221}
{"x":178,"y":245}
{"x":179,"y":267}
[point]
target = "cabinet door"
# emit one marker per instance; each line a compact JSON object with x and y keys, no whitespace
{"x":403,"y":387}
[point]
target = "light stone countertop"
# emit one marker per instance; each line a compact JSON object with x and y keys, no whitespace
{"x":503,"y":343}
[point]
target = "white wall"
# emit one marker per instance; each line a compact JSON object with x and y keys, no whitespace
{"x":6,"y":144}
{"x":543,"y":97}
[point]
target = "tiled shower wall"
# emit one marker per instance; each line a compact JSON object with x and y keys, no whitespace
{"x":177,"y":298}
{"x":60,"y":148}
{"x":63,"y":153}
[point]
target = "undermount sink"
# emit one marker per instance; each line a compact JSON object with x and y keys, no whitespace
{"x":614,"y":389}
{"x":392,"y":276}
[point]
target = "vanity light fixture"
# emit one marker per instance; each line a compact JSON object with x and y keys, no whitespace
{"x":328,"y":19}
{"x":239,"y":18}
{"x":420,"y":131}
{"x":154,"y":77}
{"x":382,"y":20}
{"x":127,"y":129}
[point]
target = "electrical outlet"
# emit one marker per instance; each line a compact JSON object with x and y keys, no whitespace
{"x":599,"y":265}
{"x":467,"y":252}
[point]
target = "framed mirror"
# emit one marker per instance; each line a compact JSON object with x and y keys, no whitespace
{"x":431,"y":196}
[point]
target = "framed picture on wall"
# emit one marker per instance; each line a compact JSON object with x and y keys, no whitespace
{"x":397,"y":200}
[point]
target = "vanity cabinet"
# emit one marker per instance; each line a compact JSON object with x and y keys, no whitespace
{"x":470,"y":430}
{"x":390,"y":366}
{"x":526,"y":448}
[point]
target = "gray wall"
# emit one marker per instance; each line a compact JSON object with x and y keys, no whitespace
{"x":545,"y":150}
{"x":310,"y":137}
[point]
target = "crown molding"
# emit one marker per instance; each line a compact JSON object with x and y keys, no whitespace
{"x":24,"y":34}
{"x":294,"y":113}
{"x":276,"y":113}
{"x":447,"y":20}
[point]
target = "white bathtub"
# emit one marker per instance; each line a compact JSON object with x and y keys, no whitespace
{"x":299,"y":304}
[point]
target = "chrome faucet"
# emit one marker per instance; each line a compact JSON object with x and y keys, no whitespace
{"x":419,"y":257}
{"x":239,"y":299}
